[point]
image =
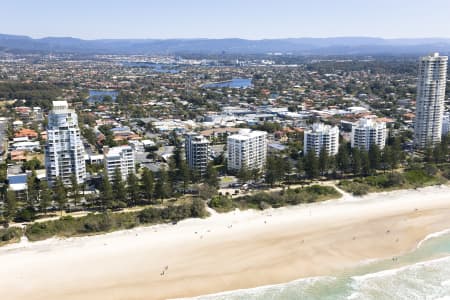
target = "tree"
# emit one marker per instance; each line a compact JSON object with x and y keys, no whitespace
{"x":106,"y":195}
{"x":32,"y":164}
{"x":173,"y":173}
{"x":429,"y":154}
{"x":374,"y":157}
{"x":438,"y":153}
{"x":300,"y":167}
{"x":243,"y":174}
{"x":324,"y":160}
{"x":343,"y":158}
{"x":365,"y":163}
{"x":397,"y":153}
{"x":356,"y":161}
{"x":198,"y":208}
{"x":311,"y":165}
{"x":162,"y":187}
{"x":60,"y":194}
{"x":177,"y":156}
{"x":45,"y":198}
{"x":10,"y":205}
{"x":118,"y":187}
{"x":276,"y":168}
{"x":387,"y":157}
{"x":132,"y":188}
{"x":147,"y":183}
{"x":74,"y":188}
{"x":184,"y":174}
{"x":211,"y":177}
{"x":32,"y":189}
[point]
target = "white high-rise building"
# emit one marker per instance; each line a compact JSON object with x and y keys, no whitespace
{"x":319,"y":137}
{"x":368,"y":132}
{"x":430,"y":100}
{"x":197,"y":152}
{"x":247,"y":149}
{"x":121,"y":157}
{"x":64,"y":152}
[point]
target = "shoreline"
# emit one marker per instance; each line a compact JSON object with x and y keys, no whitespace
{"x":356,"y":275}
{"x":226,"y":252}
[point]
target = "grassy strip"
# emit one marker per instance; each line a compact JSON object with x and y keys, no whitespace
{"x":391,"y":181}
{"x":264,"y":200}
{"x":107,"y":222}
{"x":10,"y":235}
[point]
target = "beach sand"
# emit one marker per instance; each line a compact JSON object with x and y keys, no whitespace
{"x":225,"y":251}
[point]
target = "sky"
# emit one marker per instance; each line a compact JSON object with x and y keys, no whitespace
{"x":250,"y":19}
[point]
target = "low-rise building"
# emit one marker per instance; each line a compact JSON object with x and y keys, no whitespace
{"x":26,"y":145}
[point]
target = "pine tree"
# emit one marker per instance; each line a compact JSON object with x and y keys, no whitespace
{"x":106,"y":195}
{"x":387,"y":157}
{"x":118,"y":187}
{"x":365,"y":163}
{"x":276,"y":168}
{"x":356,"y":161}
{"x":45,"y":199}
{"x":148,"y":183}
{"x":300,"y":167}
{"x":324,"y":160}
{"x":343,"y":158}
{"x":211,"y":177}
{"x":74,"y":189}
{"x":243,"y":174}
{"x":184,"y":174}
{"x":32,"y":189}
{"x":10,"y":205}
{"x":132,"y":188}
{"x":162,"y":187}
{"x":311,"y":165}
{"x":60,"y":194}
{"x":374,"y":157}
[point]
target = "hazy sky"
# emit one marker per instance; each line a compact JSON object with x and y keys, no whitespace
{"x":252,"y":19}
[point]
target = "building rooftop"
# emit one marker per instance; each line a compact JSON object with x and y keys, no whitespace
{"x":247,"y":133}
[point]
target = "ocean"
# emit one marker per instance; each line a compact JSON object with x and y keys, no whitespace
{"x":420,"y":274}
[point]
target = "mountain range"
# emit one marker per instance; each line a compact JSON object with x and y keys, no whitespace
{"x":299,"y":46}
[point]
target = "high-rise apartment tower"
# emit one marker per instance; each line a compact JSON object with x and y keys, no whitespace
{"x":430,"y":100}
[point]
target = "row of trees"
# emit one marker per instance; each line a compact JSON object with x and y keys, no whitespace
{"x":348,"y":161}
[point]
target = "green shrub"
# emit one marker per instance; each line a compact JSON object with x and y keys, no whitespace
{"x":356,"y":188}
{"x":221,"y":203}
{"x":417,"y":177}
{"x":105,"y":222}
{"x":297,"y":196}
{"x":10,"y":234}
{"x":27,"y":214}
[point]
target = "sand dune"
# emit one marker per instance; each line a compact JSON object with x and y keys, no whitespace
{"x":226,"y":251}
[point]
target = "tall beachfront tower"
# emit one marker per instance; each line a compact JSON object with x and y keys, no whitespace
{"x":247,"y":149}
{"x":197,"y":152}
{"x":430,"y":100}
{"x":64,"y":152}
{"x":320,"y":137}
{"x":368,"y":132}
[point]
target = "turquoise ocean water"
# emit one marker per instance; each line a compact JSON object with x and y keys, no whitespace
{"x":420,"y":274}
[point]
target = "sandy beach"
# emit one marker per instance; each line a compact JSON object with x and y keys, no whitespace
{"x":225,"y":251}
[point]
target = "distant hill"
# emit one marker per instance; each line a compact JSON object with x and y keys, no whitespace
{"x":301,"y":46}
